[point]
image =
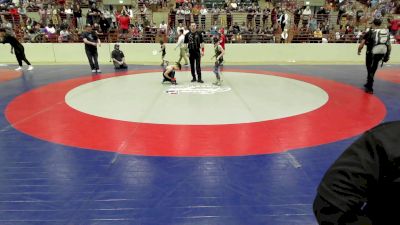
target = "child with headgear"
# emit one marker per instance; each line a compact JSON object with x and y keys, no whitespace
{"x":219,"y":52}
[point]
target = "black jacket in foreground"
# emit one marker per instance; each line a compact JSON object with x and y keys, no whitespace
{"x":367,"y":175}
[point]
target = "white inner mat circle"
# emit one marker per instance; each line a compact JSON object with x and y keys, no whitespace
{"x":247,"y":97}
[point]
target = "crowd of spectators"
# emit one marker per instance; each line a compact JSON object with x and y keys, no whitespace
{"x":243,"y":20}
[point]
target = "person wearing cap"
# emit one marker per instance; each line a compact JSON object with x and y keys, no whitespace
{"x":118,"y":58}
{"x":16,"y":47}
{"x":169,"y":73}
{"x":91,"y":41}
{"x":372,"y":59}
{"x":219,"y":53}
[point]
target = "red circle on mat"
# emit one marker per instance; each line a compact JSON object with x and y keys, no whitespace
{"x":43,"y":113}
{"x":392,"y":75}
{"x":6,"y":75}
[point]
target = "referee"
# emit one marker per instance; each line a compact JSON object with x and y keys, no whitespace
{"x":194,"y":41}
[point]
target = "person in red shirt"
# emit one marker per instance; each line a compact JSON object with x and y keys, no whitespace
{"x":13,"y":11}
{"x":124,"y":21}
{"x":394,"y":25}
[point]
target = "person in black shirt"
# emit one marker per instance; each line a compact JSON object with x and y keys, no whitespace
{"x":78,"y":16}
{"x":118,"y":58}
{"x":104,"y":24}
{"x":362,"y":186}
{"x":372,"y":60}
{"x":16,"y":48}
{"x":91,"y":41}
{"x":194,"y":41}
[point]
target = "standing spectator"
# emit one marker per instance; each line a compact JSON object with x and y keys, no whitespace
{"x":375,"y":38}
{"x":306,"y":16}
{"x":104,"y":24}
{"x":93,"y":15}
{"x":43,"y":15}
{"x":91,"y":41}
{"x":394,"y":25}
{"x":196,"y":12}
{"x":107,"y":16}
{"x":265,"y":17}
{"x":203,"y":12}
{"x":274,"y":16}
{"x":187,"y":14}
{"x":124,"y":21}
{"x":180,"y":15}
{"x":229,"y":18}
{"x":283,"y":19}
{"x":215,"y":15}
{"x":22,"y":11}
{"x":194,"y":41}
{"x":359,"y":14}
{"x":163,"y":27}
{"x":179,"y":28}
{"x":250,"y":17}
{"x":297,"y":16}
{"x":172,"y":17}
{"x":257,"y":18}
{"x":78,"y":16}
{"x":55,"y":16}
{"x":68,"y":13}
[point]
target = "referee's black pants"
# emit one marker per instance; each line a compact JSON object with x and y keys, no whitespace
{"x":92,"y":56}
{"x":20,"y":55}
{"x":372,"y":63}
{"x":195,"y":58}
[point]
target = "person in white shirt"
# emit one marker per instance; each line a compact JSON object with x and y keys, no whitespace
{"x":64,"y":35}
{"x":163,"y":27}
{"x":203,"y":12}
{"x":306,"y":15}
{"x":283,"y":19}
{"x":68,"y":12}
{"x":180,"y":27}
{"x":183,"y":50}
{"x":50,"y":29}
{"x":185,"y":30}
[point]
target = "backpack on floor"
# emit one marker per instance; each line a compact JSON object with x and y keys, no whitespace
{"x":381,"y":38}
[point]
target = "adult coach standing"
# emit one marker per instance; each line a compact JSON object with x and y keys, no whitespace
{"x":378,"y":49}
{"x":91,"y":41}
{"x":16,"y":48}
{"x":194,"y":41}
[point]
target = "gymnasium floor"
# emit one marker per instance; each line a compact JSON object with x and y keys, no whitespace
{"x":122,"y":148}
